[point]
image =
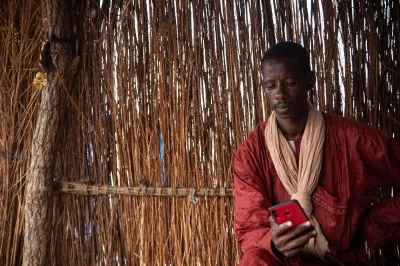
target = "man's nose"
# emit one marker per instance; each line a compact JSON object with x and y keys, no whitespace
{"x":281,"y":92}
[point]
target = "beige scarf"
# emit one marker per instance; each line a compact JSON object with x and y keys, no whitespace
{"x":301,"y":181}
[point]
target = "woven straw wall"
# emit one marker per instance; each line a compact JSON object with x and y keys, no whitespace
{"x":187,"y":71}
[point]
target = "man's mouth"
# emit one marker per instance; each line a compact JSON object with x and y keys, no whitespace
{"x":283,"y":106}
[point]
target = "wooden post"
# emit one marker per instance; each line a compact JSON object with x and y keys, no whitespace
{"x":38,"y":193}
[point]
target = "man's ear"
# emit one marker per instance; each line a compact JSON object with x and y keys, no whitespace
{"x":311,"y":79}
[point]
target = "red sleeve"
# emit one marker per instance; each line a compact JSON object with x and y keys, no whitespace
{"x":251,"y":203}
{"x":381,"y":155}
{"x":382,"y":223}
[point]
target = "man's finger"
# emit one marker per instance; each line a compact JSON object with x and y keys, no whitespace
{"x":292,"y":252}
{"x":272,"y":221}
{"x":302,"y":229}
{"x":290,"y":234}
{"x":300,"y":241}
{"x":284,"y":228}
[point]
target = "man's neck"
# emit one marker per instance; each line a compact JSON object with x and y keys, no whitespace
{"x":292,"y":129}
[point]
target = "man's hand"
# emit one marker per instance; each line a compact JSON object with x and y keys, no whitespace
{"x":288,"y":240}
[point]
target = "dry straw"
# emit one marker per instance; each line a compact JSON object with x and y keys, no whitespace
{"x":188,"y":70}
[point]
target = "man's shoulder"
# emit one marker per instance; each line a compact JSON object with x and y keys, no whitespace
{"x":254,"y":140}
{"x":251,"y":151}
{"x":338,"y":124}
{"x":332,"y":120}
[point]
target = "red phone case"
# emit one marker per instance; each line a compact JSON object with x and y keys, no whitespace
{"x":288,"y":211}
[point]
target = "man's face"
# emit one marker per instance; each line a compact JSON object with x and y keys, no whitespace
{"x":286,"y":87}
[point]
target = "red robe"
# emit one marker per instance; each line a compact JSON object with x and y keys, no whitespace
{"x":357,"y":160}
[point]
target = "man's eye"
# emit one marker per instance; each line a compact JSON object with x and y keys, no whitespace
{"x":290,"y":83}
{"x":268,"y":86}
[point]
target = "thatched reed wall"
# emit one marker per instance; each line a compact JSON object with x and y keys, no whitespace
{"x":188,"y":70}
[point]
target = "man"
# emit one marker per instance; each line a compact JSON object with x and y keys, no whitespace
{"x":330,"y":164}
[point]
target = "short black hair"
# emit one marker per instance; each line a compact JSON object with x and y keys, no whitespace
{"x":287,"y":50}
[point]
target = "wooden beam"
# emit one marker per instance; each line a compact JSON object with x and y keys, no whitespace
{"x":38,"y":193}
{"x":92,"y":190}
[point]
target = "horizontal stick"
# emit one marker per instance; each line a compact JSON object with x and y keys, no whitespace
{"x":91,"y":190}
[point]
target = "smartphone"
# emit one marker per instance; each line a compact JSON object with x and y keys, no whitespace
{"x":288,"y":211}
